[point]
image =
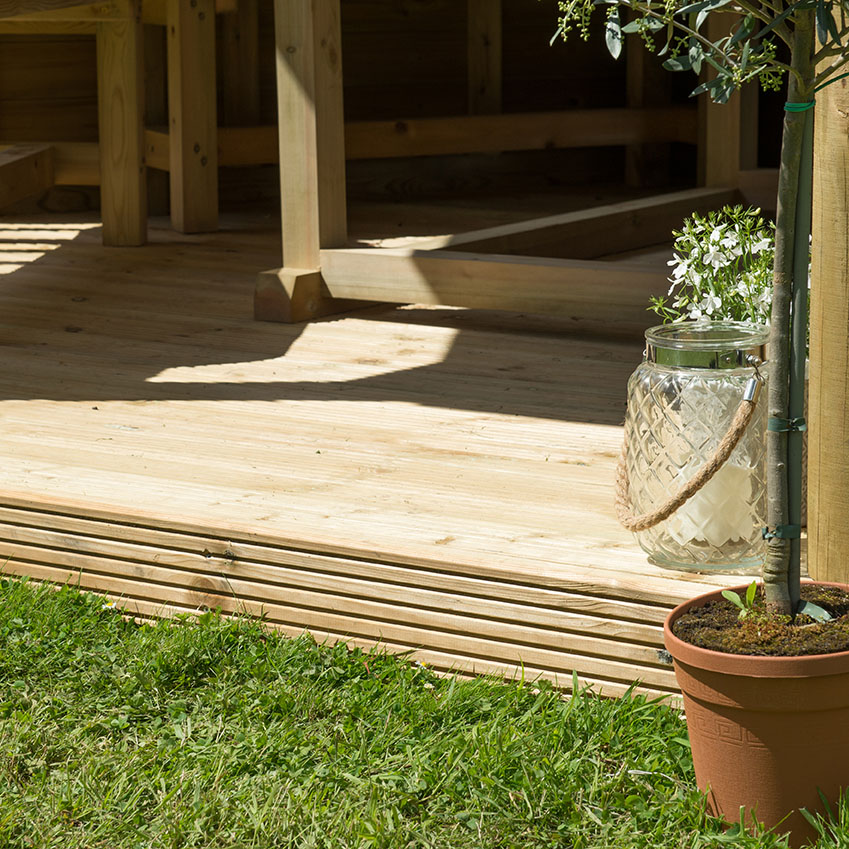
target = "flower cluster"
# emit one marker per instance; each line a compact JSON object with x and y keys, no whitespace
{"x":721,"y":268}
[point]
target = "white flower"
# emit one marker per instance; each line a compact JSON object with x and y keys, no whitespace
{"x":710,"y":303}
{"x":716,"y":257}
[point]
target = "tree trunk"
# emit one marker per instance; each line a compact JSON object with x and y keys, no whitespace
{"x":799,"y":89}
{"x":828,"y":439}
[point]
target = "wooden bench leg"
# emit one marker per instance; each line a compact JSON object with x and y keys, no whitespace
{"x":193,"y":120}
{"x":120,"y":99}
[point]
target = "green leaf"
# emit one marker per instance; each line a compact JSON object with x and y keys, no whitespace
{"x":743,"y":31}
{"x":735,"y":599}
{"x":750,"y":593}
{"x":778,"y":19}
{"x":696,"y":54}
{"x":825,"y":23}
{"x":613,"y":34}
{"x":678,"y":63}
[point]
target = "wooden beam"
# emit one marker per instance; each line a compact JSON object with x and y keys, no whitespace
{"x":589,"y":233}
{"x":525,"y":131}
{"x":719,"y":125}
{"x":259,"y":145}
{"x":595,"y":295}
{"x":192,"y":115}
{"x":311,"y":138}
{"x":12,"y":26}
{"x":156,"y":112}
{"x":648,"y":86}
{"x":238,"y":62}
{"x":25,"y":170}
{"x":62,"y":10}
{"x":120,"y":96}
{"x":828,"y":399}
{"x":483,"y":35}
{"x":156,"y":11}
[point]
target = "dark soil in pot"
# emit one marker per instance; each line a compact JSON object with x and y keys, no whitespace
{"x":717,"y":626}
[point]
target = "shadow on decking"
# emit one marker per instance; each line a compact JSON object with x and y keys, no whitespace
{"x":83,"y":322}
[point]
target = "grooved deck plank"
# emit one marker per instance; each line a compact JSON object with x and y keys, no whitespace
{"x":438,"y":480}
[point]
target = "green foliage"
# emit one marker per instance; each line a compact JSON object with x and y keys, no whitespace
{"x":748,"y":49}
{"x":722,"y":268}
{"x":746,"y":604}
{"x":220,"y":734}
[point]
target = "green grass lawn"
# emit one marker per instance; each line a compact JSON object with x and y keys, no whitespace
{"x":218,"y":733}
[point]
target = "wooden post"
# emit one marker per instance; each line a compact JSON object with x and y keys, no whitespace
{"x":719,"y":125}
{"x":156,"y":110}
{"x":647,"y":86}
{"x":120,"y":106}
{"x":484,"y":56}
{"x":238,"y":58}
{"x":312,"y":159}
{"x":828,"y":399}
{"x":193,"y":121}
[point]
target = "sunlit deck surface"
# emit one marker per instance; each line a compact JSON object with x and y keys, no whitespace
{"x":433,"y":479}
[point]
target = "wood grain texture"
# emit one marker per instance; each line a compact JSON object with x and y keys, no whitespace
{"x":593,"y":295}
{"x":828,"y":393}
{"x":193,"y":120}
{"x":120,"y":93}
{"x":719,"y":124}
{"x":434,"y":480}
{"x":25,"y":170}
{"x":518,"y":131}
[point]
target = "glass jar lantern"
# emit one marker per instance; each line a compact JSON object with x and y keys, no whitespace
{"x":681,"y":401}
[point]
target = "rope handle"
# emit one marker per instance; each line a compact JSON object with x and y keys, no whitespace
{"x":742,"y":417}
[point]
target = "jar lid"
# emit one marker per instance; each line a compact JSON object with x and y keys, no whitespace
{"x":706,"y":344}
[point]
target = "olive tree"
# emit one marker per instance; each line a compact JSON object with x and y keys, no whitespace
{"x":814,"y":37}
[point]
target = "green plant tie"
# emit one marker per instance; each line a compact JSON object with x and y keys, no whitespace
{"x":809,"y":104}
{"x":782,"y":532}
{"x":777,"y":425}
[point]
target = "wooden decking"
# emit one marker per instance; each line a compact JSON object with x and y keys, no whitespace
{"x":432,"y":479}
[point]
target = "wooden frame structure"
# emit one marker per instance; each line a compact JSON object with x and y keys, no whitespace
{"x":318,"y":268}
{"x":319,"y":272}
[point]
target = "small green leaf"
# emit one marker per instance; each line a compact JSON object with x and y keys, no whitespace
{"x":735,"y":599}
{"x":613,"y":34}
{"x":679,"y":63}
{"x":750,"y":593}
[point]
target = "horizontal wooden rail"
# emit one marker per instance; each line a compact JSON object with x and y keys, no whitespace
{"x":461,"y":134}
{"x":519,"y":131}
{"x":595,"y":295}
{"x":48,"y":17}
{"x":590,"y":233}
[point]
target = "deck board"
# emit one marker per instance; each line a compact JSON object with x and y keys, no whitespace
{"x":438,"y":480}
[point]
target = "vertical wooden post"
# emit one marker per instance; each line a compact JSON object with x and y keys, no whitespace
{"x":120,"y":104}
{"x":193,"y":121}
{"x":156,"y":109}
{"x":312,"y":159}
{"x":484,"y":56}
{"x":647,"y":85}
{"x":828,"y":399}
{"x":719,"y":125}
{"x":238,"y":59}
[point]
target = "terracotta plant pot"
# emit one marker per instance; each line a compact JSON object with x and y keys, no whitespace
{"x":767,"y":733}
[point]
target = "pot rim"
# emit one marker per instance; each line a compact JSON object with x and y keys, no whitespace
{"x":750,"y":665}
